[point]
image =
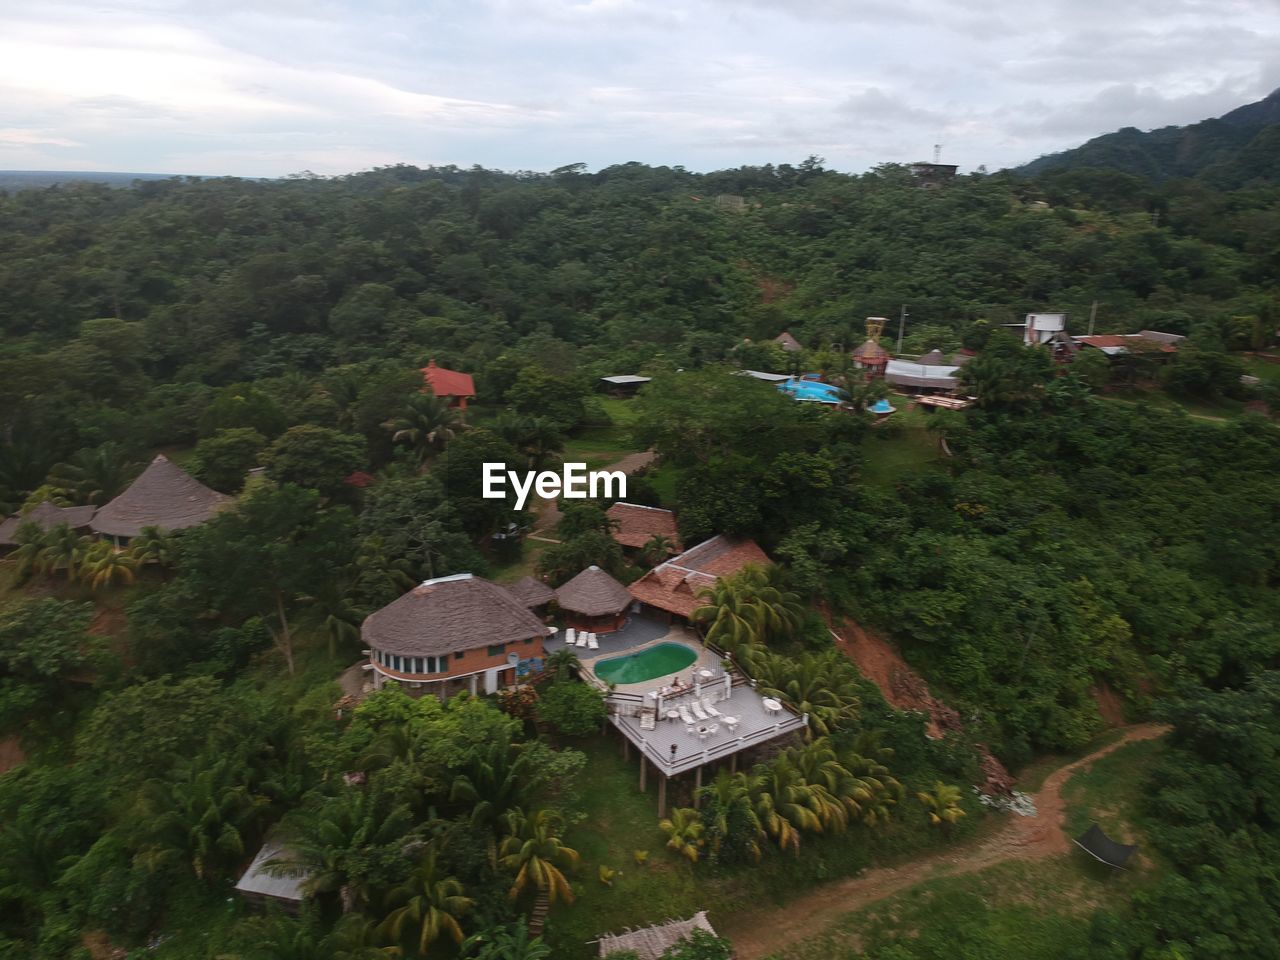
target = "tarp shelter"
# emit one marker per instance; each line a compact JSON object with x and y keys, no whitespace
{"x":1101,"y":847}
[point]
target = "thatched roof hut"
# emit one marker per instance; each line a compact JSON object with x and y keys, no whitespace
{"x":532,"y":592}
{"x":593,"y":593}
{"x":164,"y":496}
{"x":46,"y":516}
{"x":651,"y":943}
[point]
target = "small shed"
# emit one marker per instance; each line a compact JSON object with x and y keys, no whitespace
{"x":623,"y":384}
{"x":594,"y":601}
{"x":533,"y":593}
{"x":283,"y":887}
{"x":650,"y":943}
{"x":452,"y":386}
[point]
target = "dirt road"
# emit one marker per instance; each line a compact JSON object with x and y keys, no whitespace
{"x":758,"y":933}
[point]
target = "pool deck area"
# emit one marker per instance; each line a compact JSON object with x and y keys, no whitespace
{"x":641,"y":633}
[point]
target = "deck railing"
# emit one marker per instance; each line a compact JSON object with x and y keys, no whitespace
{"x":681,"y":763}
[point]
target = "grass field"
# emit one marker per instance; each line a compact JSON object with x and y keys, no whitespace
{"x":903,"y":449}
{"x":1033,"y":910}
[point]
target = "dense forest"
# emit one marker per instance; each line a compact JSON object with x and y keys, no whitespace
{"x":176,"y":702}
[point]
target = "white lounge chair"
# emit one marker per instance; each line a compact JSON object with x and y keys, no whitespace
{"x":571,"y":637}
{"x":708,"y":706}
{"x":648,"y":719}
{"x":685,"y":715}
{"x":698,"y":711}
{"x":582,"y":638}
{"x":591,"y":642}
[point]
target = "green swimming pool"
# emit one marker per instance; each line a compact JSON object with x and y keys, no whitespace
{"x":657,"y":661}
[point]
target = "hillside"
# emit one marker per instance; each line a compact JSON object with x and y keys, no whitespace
{"x":1238,"y":148}
{"x":39,"y":179}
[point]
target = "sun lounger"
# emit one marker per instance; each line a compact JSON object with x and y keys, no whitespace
{"x":685,"y":715}
{"x":582,"y":638}
{"x":571,"y":637}
{"x":698,"y":711}
{"x":648,"y":719}
{"x":709,"y":707}
{"x":591,"y":642}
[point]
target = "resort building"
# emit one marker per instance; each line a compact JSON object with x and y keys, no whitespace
{"x":453,"y":634}
{"x":593,"y":601}
{"x":870,"y":356}
{"x":634,"y":525}
{"x":165,"y":497}
{"x":670,"y":590}
{"x":921,"y":375}
{"x":457,"y":388}
{"x":533,"y":593}
{"x":46,"y":516}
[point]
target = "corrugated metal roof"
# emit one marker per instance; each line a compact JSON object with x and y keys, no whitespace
{"x":258,"y":880}
{"x":624,"y":379}
{"x":907,"y":374}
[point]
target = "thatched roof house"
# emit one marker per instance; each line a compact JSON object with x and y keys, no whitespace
{"x":651,"y":943}
{"x":164,"y":496}
{"x":532,"y":592}
{"x":593,"y":600}
{"x":46,"y":516}
{"x":788,"y":342}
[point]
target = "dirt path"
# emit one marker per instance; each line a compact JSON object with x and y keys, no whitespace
{"x":760,"y":933}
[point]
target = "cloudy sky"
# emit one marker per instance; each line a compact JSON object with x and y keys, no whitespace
{"x":274,"y":87}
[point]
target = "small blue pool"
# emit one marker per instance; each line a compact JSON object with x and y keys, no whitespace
{"x":813,"y":391}
{"x":882,"y":407}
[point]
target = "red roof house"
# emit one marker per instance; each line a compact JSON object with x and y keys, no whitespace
{"x":449,"y":385}
{"x":635,"y":525}
{"x":673,"y":587}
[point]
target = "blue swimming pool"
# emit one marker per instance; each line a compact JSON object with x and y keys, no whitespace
{"x":813,"y":391}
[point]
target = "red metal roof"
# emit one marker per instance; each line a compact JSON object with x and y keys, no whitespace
{"x":448,"y":383}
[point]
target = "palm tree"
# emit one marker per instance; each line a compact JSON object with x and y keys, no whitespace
{"x":426,"y":907}
{"x":153,"y":545}
{"x":95,"y":476}
{"x":785,"y":804}
{"x":748,"y":608}
{"x":197,"y":817}
{"x":534,"y":853}
{"x":29,"y":554}
{"x":656,"y":549}
{"x":942,"y":803}
{"x":731,"y":818}
{"x":327,"y":843}
{"x":503,"y":943}
{"x":884,"y":790}
{"x":823,"y":685}
{"x":538,"y":438}
{"x":427,"y":425}
{"x":498,"y":777}
{"x":64,"y":549}
{"x":684,"y":833}
{"x":104,"y":566}
{"x":562,"y":663}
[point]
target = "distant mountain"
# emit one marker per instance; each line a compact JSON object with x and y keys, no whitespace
{"x":1238,"y":148}
{"x":37,"y":179}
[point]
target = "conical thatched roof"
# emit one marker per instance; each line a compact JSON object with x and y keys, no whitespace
{"x":870,"y":352}
{"x":164,"y":496}
{"x":531,"y":592}
{"x":46,"y":516}
{"x":593,"y":593}
{"x":934,"y":358}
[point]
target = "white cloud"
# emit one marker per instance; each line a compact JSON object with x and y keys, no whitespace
{"x":258,"y":88}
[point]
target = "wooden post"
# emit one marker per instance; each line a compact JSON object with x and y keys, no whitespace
{"x":662,"y":797}
{"x":626,"y":748}
{"x":697,"y":787}
{"x":644,"y":764}
{"x":733,"y":762}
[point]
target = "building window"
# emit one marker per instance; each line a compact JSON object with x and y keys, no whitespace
{"x":528,"y":640}
{"x":395,"y":661}
{"x":459,"y":655}
{"x":497,"y":650}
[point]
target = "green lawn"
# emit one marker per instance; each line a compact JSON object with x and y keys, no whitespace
{"x":1217,"y":410}
{"x":1261,"y":369}
{"x":906,"y":447}
{"x":1110,"y":790}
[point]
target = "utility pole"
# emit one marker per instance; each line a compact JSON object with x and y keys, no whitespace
{"x":1093,"y":316}
{"x":902,"y":323}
